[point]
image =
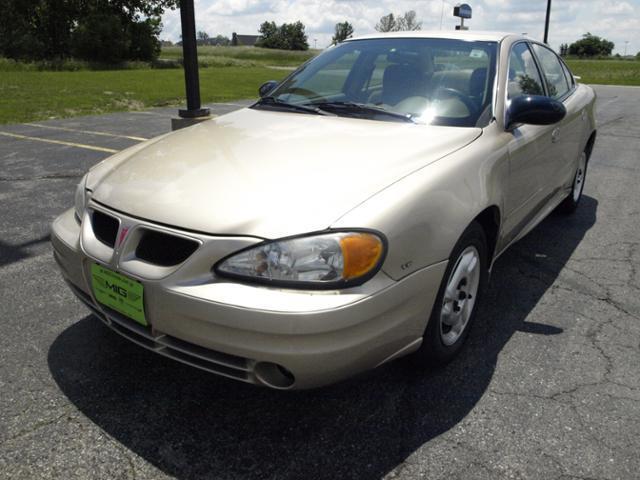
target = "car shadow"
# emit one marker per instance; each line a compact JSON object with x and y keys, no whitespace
{"x":192,"y":425}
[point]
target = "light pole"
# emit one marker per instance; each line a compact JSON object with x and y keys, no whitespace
{"x":194,"y":111}
{"x":626,"y":42}
{"x":546,"y":23}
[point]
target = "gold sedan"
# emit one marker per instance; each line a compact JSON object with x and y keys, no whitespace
{"x":349,"y":217}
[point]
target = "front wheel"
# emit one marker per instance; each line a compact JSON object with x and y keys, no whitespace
{"x":455,"y":307}
{"x":570,"y":204}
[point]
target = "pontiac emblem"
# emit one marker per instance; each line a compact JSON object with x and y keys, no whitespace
{"x":123,"y":235}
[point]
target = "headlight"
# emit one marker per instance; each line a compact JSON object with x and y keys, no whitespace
{"x":81,"y":198}
{"x":329,"y":260}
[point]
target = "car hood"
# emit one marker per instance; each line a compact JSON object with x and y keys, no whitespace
{"x":267,"y":174}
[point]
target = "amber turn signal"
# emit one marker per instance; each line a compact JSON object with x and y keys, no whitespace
{"x":361,"y":253}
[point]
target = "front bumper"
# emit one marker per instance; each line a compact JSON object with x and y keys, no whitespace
{"x":280,"y":338}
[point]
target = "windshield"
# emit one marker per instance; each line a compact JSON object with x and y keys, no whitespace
{"x":428,"y":80}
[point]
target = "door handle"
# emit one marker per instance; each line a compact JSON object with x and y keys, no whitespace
{"x":555,"y":135}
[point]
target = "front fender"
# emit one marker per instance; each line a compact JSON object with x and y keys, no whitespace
{"x":424,"y":214}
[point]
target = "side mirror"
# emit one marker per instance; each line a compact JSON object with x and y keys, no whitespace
{"x":534,"y":110}
{"x":266,"y":88}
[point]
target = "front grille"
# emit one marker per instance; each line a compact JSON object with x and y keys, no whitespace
{"x":164,"y":249}
{"x":105,"y":227}
{"x":185,"y":352}
{"x":224,"y":364}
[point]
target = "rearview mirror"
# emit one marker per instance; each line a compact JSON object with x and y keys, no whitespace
{"x":267,"y":87}
{"x":534,"y":110}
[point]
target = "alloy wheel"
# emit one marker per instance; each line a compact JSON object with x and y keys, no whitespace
{"x":460,"y":295}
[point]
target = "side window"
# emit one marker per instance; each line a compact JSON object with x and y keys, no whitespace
{"x":524,"y":78}
{"x":553,"y":71}
{"x":569,"y":75}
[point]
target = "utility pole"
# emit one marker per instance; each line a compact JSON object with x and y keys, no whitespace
{"x":546,"y":23}
{"x":194,"y":112}
{"x":626,"y":42}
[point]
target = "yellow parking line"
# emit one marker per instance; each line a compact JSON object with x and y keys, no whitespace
{"x":90,"y":132}
{"x":59,"y":142}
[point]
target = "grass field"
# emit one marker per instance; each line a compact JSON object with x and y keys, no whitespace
{"x":27,"y":93}
{"x":241,"y":56}
{"x":607,"y":72}
{"x":30,"y":96}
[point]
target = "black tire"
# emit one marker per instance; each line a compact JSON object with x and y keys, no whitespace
{"x":570,"y":204}
{"x":433,"y":350}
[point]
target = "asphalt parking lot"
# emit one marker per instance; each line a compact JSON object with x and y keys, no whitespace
{"x":548,"y":386}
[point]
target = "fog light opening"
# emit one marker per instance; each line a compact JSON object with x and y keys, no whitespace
{"x":274,"y":375}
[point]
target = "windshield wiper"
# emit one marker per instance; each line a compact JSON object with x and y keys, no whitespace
{"x":291,"y":106}
{"x":360,"y":108}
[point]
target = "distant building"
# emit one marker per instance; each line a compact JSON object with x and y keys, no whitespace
{"x":244,"y":40}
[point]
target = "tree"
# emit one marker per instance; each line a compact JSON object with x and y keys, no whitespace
{"x":202,"y":38}
{"x":564,"y":49}
{"x":270,"y":36}
{"x":220,"y":40}
{"x":409,"y":22}
{"x":100,"y":37}
{"x":294,"y":35}
{"x":49,"y":29}
{"x":35,"y":29}
{"x":344,"y":30}
{"x":288,"y":36}
{"x":406,"y":22}
{"x":387,"y":23}
{"x":591,"y":46}
{"x":143,"y":35}
{"x":109,"y":38}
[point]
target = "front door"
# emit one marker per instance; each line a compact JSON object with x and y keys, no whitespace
{"x":530,"y":149}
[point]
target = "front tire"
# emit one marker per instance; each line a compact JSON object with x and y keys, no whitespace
{"x":455,"y":307}
{"x":570,"y":204}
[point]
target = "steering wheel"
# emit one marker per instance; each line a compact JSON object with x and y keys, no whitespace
{"x":452,"y":92}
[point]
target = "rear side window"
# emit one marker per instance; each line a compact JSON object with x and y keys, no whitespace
{"x":569,"y":75}
{"x":553,"y":71}
{"x":524,"y":77}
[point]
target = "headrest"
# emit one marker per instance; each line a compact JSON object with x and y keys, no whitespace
{"x":477,"y":82}
{"x":401,"y":81}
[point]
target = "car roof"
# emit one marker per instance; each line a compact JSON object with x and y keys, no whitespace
{"x":470,"y":35}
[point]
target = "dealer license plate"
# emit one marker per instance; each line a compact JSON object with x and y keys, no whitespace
{"x":120,"y":293}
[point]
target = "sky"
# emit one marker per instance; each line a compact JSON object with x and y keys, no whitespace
{"x":618,"y":21}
